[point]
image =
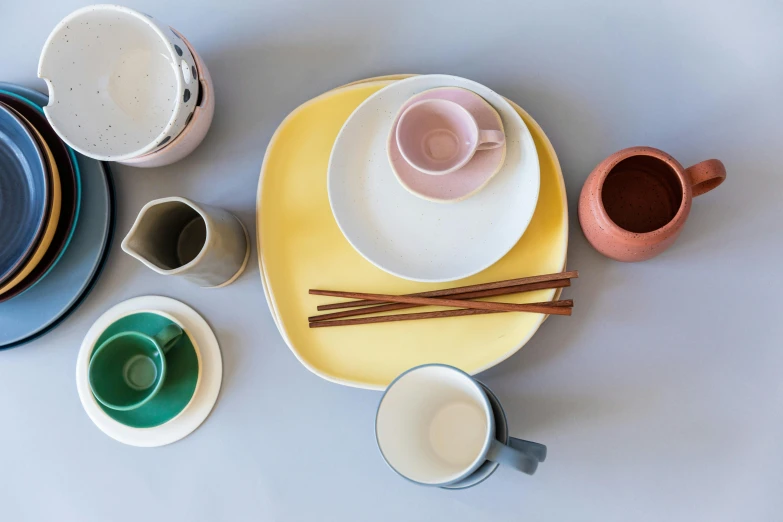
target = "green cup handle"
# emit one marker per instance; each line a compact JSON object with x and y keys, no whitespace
{"x":168,"y":337}
{"x":513,"y":457}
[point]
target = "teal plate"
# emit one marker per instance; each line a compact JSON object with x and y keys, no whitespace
{"x":181,"y":373}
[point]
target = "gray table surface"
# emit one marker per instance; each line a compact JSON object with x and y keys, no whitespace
{"x":660,"y":399}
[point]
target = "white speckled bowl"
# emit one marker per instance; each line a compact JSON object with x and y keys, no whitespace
{"x":195,"y":130}
{"x":120,"y":83}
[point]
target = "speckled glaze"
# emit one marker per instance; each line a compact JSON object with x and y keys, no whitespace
{"x":416,"y":239}
{"x":635,"y":202}
{"x":195,"y":130}
{"x":121,"y":84}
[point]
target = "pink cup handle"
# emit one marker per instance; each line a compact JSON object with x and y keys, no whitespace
{"x":491,"y":139}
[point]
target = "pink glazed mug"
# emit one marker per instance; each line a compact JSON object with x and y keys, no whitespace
{"x":635,"y":202}
{"x":440,"y":136}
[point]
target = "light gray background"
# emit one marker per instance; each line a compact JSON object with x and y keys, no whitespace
{"x":660,"y":399}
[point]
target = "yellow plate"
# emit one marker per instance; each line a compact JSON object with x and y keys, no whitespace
{"x":54,"y":216}
{"x":390,"y":78}
{"x":301,"y":247}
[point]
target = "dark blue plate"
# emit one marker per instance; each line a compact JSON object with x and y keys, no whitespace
{"x":24,"y":193}
{"x":44,"y":306}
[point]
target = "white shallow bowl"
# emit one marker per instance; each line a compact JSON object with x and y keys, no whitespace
{"x":121,"y":84}
{"x":418,"y":239}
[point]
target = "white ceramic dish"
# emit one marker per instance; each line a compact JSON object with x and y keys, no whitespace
{"x":207,"y":390}
{"x":120,"y":83}
{"x":417,"y":239}
{"x":195,"y":130}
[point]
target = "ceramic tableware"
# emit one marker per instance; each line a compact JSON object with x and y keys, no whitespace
{"x":195,"y":130}
{"x":176,"y":236}
{"x":182,"y":371}
{"x":52,"y":216}
{"x":435,"y":426}
{"x":416,"y":239}
{"x":439,"y":136}
{"x":381,"y":78}
{"x":69,"y":188}
{"x":129,"y":368}
{"x":635,"y":202}
{"x":300,"y":247}
{"x":121,"y":83}
{"x":181,"y":414}
{"x":25,"y":189}
{"x":375,"y":79}
{"x":469,"y":179}
{"x":45,"y":305}
{"x":501,"y":434}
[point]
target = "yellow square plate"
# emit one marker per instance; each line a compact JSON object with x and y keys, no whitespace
{"x":300,"y":247}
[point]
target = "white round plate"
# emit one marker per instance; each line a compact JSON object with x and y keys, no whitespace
{"x":417,"y":239}
{"x":207,"y":388}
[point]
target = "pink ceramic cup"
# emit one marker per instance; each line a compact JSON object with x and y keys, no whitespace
{"x":440,"y":136}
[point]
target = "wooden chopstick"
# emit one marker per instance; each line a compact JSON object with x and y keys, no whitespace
{"x":529,"y":287}
{"x":453,"y":291}
{"x":565,"y":304}
{"x":455,"y":303}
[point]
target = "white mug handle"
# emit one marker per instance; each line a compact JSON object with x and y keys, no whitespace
{"x":490,"y":139}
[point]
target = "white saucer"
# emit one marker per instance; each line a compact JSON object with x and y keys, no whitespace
{"x":207,"y":389}
{"x":417,"y":239}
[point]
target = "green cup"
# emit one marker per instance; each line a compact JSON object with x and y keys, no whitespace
{"x":129,"y":369}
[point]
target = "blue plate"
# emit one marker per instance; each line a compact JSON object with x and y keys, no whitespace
{"x":24,"y":193}
{"x":70,"y":186}
{"x":48,"y":303}
{"x":69,"y":191}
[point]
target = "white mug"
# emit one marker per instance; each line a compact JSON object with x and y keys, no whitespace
{"x":435,"y":426}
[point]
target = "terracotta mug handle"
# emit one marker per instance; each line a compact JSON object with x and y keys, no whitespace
{"x":706,"y":175}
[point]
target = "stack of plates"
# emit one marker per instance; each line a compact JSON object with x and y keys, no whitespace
{"x":334,"y":215}
{"x":40,"y":196}
{"x":60,"y":220}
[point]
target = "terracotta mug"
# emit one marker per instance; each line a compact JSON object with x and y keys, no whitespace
{"x":635,"y":202}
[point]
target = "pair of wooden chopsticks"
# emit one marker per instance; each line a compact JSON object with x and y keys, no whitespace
{"x":459,"y":298}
